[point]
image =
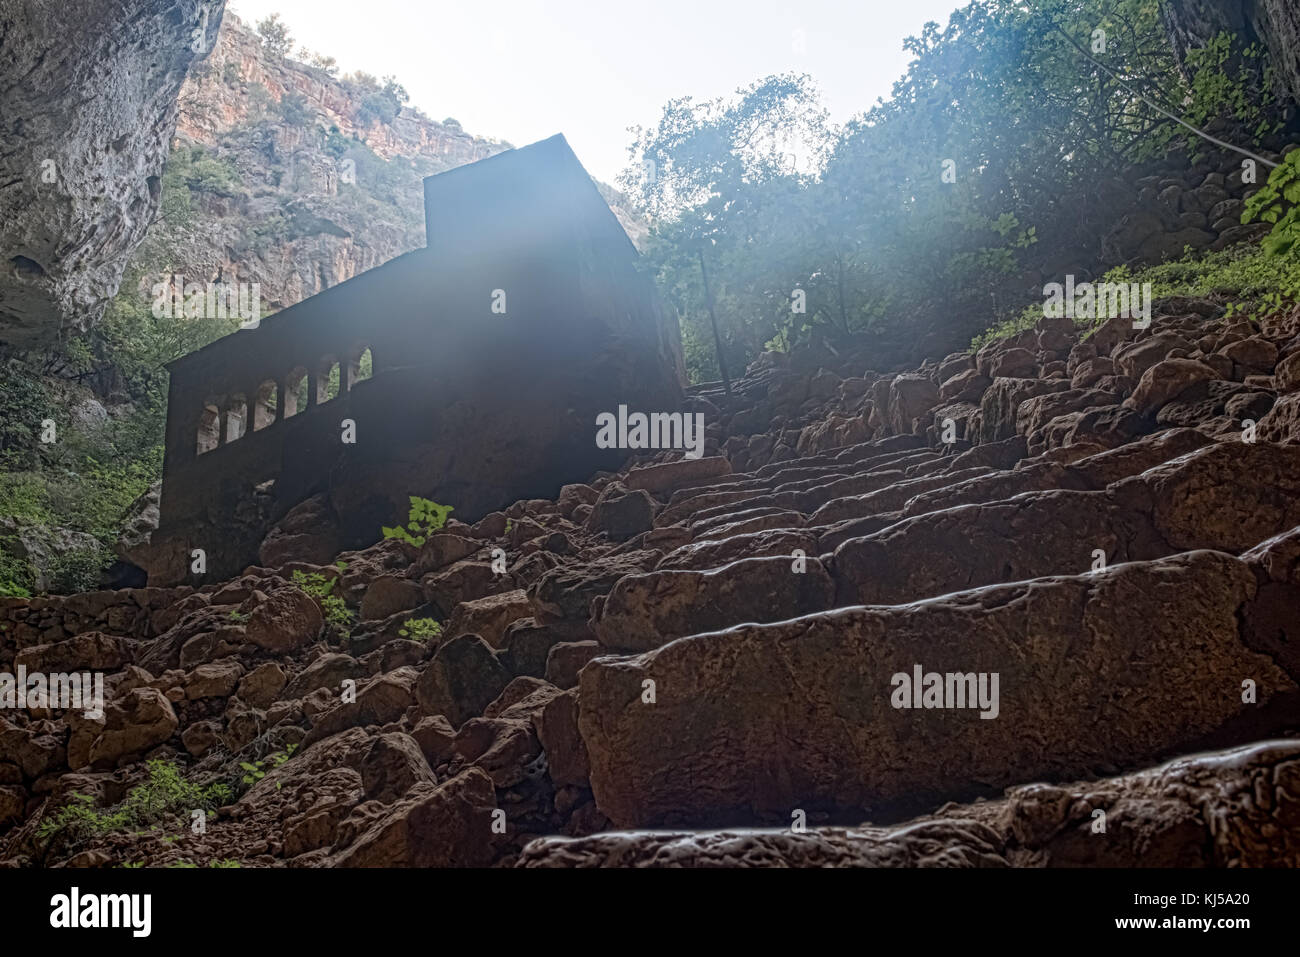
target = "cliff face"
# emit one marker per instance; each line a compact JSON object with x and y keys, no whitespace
{"x":294,"y":184}
{"x":89,"y":92}
{"x":299,"y":179}
{"x":219,"y":99}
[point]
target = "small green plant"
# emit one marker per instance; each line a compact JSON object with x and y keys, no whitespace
{"x":165,"y":793}
{"x":237,"y":616}
{"x":256,"y":770}
{"x":420,"y":629}
{"x":318,"y":586}
{"x":11,"y":590}
{"x":1278,"y":202}
{"x":425,"y":517}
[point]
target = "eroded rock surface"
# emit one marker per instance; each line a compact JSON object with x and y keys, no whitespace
{"x":90,"y":95}
{"x":717,"y":642}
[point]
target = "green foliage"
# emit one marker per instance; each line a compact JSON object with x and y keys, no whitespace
{"x":1230,"y":82}
{"x":1278,"y":202}
{"x":9,"y":588}
{"x":230,"y":74}
{"x":420,"y":629}
{"x":425,"y":517}
{"x":318,"y":586}
{"x":320,"y":61}
{"x":203,"y":172}
{"x":336,"y":144}
{"x":78,"y":570}
{"x":186,"y":864}
{"x":260,"y":102}
{"x":83,"y":481}
{"x":1248,"y":280}
{"x":165,"y":794}
{"x":275,"y":35}
{"x":861,"y":218}
{"x":294,"y":111}
{"x":24,"y":403}
{"x":254,"y":771}
{"x":380,"y":104}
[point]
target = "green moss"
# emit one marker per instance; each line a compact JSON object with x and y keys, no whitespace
{"x":1246,"y":279}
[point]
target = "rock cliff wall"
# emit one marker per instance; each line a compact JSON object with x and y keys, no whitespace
{"x":90,"y":103}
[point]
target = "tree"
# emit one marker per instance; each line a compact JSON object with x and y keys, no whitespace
{"x":275,"y":35}
{"x":1015,"y":128}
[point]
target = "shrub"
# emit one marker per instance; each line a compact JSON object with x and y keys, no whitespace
{"x":321,"y":588}
{"x":420,"y":629}
{"x":254,"y":771}
{"x":425,"y":517}
{"x":293,"y":109}
{"x":164,"y":794}
{"x":78,"y":570}
{"x":1278,"y":202}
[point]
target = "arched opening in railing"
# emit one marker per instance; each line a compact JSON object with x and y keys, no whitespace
{"x":361,"y":366}
{"x":236,"y":418}
{"x":264,"y":407}
{"x":327,"y":380}
{"x":209,"y":436}
{"x":295,"y":392}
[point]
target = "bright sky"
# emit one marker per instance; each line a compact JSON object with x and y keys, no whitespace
{"x":522,"y":71}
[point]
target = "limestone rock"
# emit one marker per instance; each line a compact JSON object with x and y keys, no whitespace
{"x":90,"y":106}
{"x":447,"y":825}
{"x":463,"y":678}
{"x":645,"y":611}
{"x":754,"y":721}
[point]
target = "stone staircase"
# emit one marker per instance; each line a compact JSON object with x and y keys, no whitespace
{"x":1100,"y":567}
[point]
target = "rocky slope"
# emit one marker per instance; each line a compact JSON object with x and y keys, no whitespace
{"x":1109,"y":523}
{"x":90,"y":93}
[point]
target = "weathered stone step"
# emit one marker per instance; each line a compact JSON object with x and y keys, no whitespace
{"x":706,"y":554}
{"x":889,"y":498}
{"x":752,"y":520}
{"x":1227,"y":497}
{"x":1233,"y":808}
{"x":1092,"y":472}
{"x":853,"y":453}
{"x":645,"y":611}
{"x":1114,"y":669}
{"x":834,"y":480}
